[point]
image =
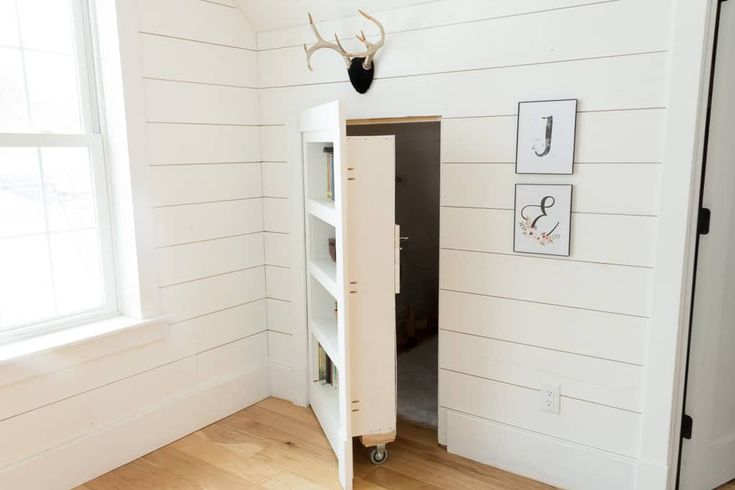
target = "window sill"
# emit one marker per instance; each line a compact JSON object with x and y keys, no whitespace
{"x":49,"y":352}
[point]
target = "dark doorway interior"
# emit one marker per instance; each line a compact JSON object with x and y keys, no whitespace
{"x":417,"y":212}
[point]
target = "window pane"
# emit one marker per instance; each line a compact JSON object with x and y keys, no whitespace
{"x":8,"y":24}
{"x":47,"y":25}
{"x":77,"y":271}
{"x":70,"y":199}
{"x":51,"y":250}
{"x":53,"y":92}
{"x":13,"y":113}
{"x":26,"y":292}
{"x":21,"y":199}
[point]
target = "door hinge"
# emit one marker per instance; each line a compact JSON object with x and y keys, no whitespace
{"x":686,"y":426}
{"x":705,"y":216}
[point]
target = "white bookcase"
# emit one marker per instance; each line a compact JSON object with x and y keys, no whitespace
{"x":350,"y":300}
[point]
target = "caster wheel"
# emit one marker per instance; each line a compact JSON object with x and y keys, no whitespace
{"x":378,"y":456}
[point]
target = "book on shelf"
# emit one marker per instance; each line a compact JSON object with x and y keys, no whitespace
{"x":324,"y":362}
{"x":329,"y":153}
{"x":327,"y":369}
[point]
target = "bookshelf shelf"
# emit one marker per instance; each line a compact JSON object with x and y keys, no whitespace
{"x":325,"y":404}
{"x":324,"y":330}
{"x":324,"y":209}
{"x":324,"y":272}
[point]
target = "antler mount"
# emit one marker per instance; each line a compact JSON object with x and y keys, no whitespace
{"x":360,"y":65}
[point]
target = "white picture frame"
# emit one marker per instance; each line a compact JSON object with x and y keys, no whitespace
{"x":546,"y":136}
{"x":543,"y":219}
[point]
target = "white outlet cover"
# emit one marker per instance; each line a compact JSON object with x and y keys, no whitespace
{"x":549,"y":395}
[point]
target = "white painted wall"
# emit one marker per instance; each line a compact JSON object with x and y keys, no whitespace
{"x":190,"y":66}
{"x":211,"y":122}
{"x":510,"y":323}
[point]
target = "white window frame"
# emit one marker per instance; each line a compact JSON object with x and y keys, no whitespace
{"x":91,"y":138}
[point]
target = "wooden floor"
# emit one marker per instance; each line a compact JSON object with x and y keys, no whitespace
{"x":277,"y":445}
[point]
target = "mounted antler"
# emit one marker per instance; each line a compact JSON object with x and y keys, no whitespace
{"x":360,"y":80}
{"x":322,"y":44}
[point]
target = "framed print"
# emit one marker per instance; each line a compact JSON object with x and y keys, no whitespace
{"x":546,"y":137}
{"x":543,"y":219}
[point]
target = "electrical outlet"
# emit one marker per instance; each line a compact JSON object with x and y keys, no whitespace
{"x":549,"y":398}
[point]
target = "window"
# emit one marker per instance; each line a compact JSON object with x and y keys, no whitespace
{"x":55,"y":247}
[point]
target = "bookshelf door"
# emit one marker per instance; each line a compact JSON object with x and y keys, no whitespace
{"x":323,"y":135}
{"x":371,"y":264}
{"x":349,"y":223}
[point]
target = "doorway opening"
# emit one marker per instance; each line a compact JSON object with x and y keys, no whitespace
{"x":418,"y":166}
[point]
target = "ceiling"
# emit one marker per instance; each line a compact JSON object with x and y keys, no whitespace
{"x":266,"y":15}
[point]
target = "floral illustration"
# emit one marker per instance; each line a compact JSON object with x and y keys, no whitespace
{"x":543,"y":238}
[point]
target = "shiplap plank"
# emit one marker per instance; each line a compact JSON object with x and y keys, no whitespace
{"x":201,"y":144}
{"x":275,"y":179}
{"x":586,"y":378}
{"x":420,"y":17}
{"x":603,"y":335}
{"x":278,"y":282}
{"x":280,"y":348}
{"x":189,"y":184}
{"x":204,"y":259}
{"x":554,"y":461}
{"x":593,"y":425}
{"x":208,"y":104}
{"x":224,"y":3}
{"x":598,"y":25}
{"x":279,"y":316}
{"x":599,"y":138}
{"x":191,"y":299}
{"x":625,"y":82}
{"x":275,"y":215}
{"x":273,"y":143}
{"x":176,"y":59}
{"x":197,"y":20}
{"x":191,"y":223}
{"x":618,"y":289}
{"x":594,"y":189}
{"x":229,"y":325}
{"x":276,"y":249}
{"x":229,"y":360}
{"x":596,"y":238}
{"x":52,"y":425}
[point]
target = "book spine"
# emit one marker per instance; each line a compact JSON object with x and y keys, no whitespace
{"x":330,"y":175}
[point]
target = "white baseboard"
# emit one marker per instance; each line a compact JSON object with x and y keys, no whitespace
{"x":441,"y":426}
{"x":281,"y":379}
{"x":289,"y":384}
{"x":553,"y":461}
{"x":655,"y":476}
{"x":109,"y":447}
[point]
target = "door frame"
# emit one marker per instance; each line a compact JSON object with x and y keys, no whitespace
{"x":686,"y":119}
{"x":703,"y":174}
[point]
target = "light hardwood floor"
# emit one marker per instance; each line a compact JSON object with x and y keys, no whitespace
{"x":276,"y":445}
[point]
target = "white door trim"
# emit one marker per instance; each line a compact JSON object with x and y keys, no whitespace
{"x":691,"y":60}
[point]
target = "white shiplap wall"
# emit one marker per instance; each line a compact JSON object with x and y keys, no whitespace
{"x":510,"y":323}
{"x":65,"y":426}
